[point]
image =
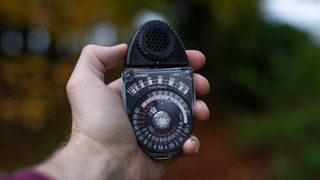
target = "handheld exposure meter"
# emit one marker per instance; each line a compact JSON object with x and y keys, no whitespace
{"x":158,"y":90}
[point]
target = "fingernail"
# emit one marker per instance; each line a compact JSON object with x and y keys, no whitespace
{"x":204,"y":105}
{"x":196,"y":144}
{"x":122,"y":44}
{"x":119,"y":45}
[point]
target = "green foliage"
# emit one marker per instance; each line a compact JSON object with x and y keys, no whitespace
{"x":267,"y":76}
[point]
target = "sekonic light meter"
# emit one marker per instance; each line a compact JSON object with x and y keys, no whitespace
{"x":158,"y":90}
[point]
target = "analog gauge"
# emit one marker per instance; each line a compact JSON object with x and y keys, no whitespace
{"x":162,"y":121}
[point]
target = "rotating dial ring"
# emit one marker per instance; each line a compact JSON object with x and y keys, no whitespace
{"x":162,"y":121}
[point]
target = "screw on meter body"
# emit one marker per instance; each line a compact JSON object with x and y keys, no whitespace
{"x":158,"y":90}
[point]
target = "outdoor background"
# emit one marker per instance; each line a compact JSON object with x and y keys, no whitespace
{"x":262,"y":62}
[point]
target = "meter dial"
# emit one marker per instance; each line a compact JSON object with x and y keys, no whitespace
{"x":160,"y":106}
{"x":162,"y":121}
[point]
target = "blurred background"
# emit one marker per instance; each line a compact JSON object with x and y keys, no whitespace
{"x":262,"y":62}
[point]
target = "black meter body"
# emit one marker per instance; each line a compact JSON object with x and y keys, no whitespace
{"x":158,"y":90}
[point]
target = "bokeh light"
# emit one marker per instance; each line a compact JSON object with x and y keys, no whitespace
{"x":12,"y":42}
{"x":303,"y":15}
{"x":38,"y":40}
{"x":145,"y":15}
{"x":103,"y":34}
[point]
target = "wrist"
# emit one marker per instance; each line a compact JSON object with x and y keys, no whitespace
{"x":81,"y":158}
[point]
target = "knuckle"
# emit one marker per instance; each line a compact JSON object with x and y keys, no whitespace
{"x":71,"y":87}
{"x":89,"y":48}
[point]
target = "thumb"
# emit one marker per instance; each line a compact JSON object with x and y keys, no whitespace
{"x":94,"y":61}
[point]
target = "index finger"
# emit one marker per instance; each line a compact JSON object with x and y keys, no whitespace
{"x":196,"y":59}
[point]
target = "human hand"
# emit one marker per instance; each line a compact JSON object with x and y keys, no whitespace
{"x":102,"y":138}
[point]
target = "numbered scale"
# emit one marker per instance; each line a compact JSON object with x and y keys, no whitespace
{"x":160,"y":105}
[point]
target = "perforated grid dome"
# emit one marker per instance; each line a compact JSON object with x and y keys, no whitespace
{"x":156,"y":41}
